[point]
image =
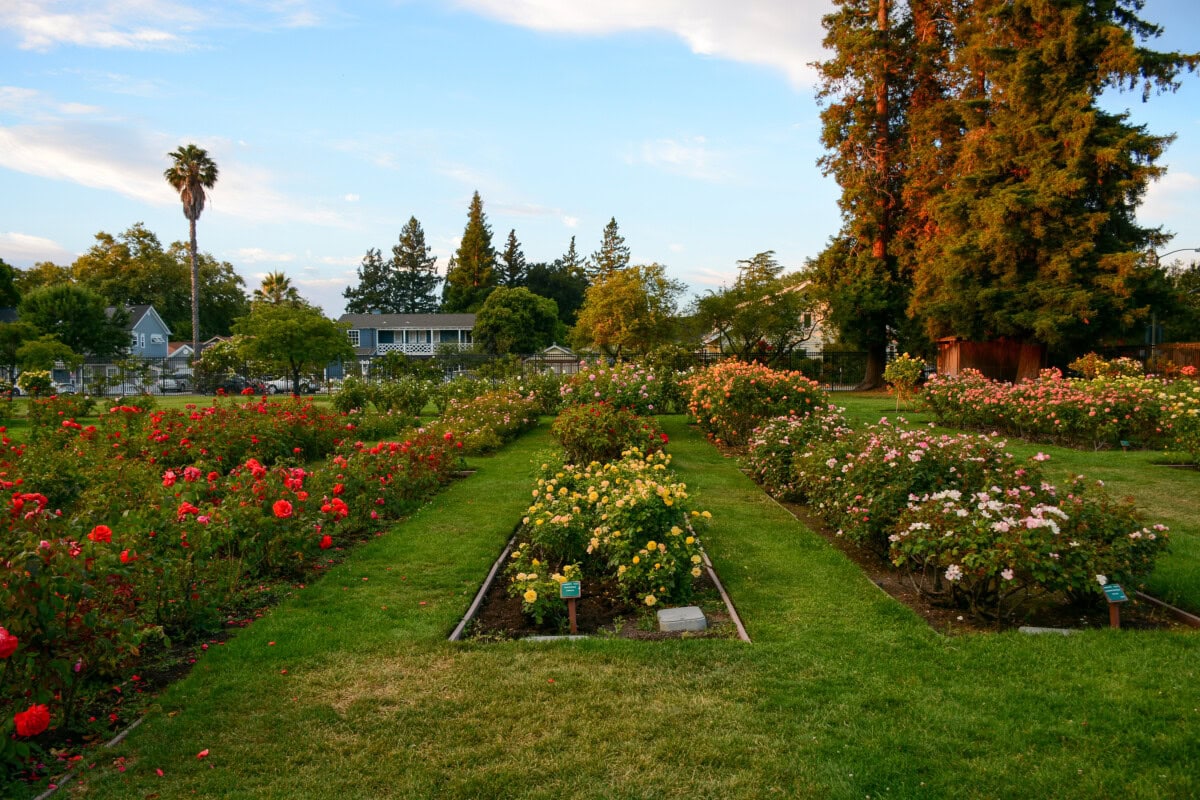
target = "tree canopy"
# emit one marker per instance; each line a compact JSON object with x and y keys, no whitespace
{"x":77,"y":316}
{"x":512,"y":263}
{"x":292,"y":338}
{"x":984,"y":191}
{"x":629,"y":310}
{"x":515,"y":321}
{"x":764,"y":311}
{"x":613,"y":254}
{"x":191,"y":173}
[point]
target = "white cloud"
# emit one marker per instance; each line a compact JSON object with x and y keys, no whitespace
{"x":126,"y":24}
{"x":23,"y":249}
{"x":341,"y":261}
{"x":1169,"y":196}
{"x":144,"y":24}
{"x":255,"y":255}
{"x":128,"y":162}
{"x":781,"y":34}
{"x":690,"y":158}
{"x":676,"y":247}
{"x":351,"y":198}
{"x":570,"y":222}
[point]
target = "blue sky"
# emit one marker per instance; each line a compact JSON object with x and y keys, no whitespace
{"x":692,"y":122}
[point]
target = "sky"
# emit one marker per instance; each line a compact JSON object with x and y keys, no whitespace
{"x":693,"y":123}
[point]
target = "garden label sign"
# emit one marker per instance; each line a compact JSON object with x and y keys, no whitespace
{"x":1115,"y":595}
{"x":570,"y":591}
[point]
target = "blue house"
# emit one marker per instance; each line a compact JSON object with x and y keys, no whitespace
{"x":148,"y":334}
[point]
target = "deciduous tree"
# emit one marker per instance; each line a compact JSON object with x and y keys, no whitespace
{"x":515,"y":321}
{"x":629,"y":310}
{"x":291,"y":338}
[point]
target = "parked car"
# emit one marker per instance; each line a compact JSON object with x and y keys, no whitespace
{"x":64,"y":388}
{"x":169,"y":385}
{"x":236,"y":384}
{"x":284,"y":385}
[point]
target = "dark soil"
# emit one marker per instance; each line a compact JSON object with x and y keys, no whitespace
{"x":952,"y":621}
{"x":600,"y":612}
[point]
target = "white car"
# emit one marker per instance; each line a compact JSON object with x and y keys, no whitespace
{"x":284,"y":386}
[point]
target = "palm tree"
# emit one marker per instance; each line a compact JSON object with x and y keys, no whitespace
{"x":191,"y":173}
{"x":276,"y":289}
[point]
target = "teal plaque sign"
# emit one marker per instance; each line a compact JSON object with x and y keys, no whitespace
{"x":568,"y":590}
{"x":1114,"y":593}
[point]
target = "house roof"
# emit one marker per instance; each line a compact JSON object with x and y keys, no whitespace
{"x":8,"y":314}
{"x":173,"y":348}
{"x":376,"y":321}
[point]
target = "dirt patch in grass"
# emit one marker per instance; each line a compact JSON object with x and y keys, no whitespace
{"x":949,"y":620}
{"x":601,"y":611}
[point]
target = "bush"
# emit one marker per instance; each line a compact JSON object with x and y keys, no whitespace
{"x":774,"y":445}
{"x":902,"y":374}
{"x":627,"y":520}
{"x":406,"y":395}
{"x":994,"y":549}
{"x":623,"y":384}
{"x":600,"y":432}
{"x":728,"y":400}
{"x":354,"y":394}
{"x":861,"y":482}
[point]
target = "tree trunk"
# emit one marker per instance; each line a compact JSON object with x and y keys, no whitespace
{"x":195,"y":291}
{"x":873,"y":377}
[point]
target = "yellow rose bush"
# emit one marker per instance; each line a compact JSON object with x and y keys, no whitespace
{"x":628,"y":520}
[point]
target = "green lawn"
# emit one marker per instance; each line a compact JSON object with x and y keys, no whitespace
{"x":844,"y":693}
{"x":1165,"y":494}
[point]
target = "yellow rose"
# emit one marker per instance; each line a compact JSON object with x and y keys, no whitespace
{"x":650,"y":545}
{"x":621,"y":570}
{"x":690,"y":540}
{"x":651,"y":600}
{"x":695,"y":559}
{"x":558,"y":578}
{"x":636,"y":559}
{"x":706,"y":515}
{"x":537,"y":563}
{"x":675,"y":530}
{"x":530,"y":596}
{"x":520,"y":576}
{"x":695,"y":572}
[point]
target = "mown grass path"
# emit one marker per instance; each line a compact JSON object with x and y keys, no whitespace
{"x":844,"y":693}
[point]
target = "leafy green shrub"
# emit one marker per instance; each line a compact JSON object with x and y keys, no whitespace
{"x":354,"y":394}
{"x":406,"y":394}
{"x":36,"y":382}
{"x":601,"y":432}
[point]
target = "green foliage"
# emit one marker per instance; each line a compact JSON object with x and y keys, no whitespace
{"x":515,"y":320}
{"x":627,"y":310}
{"x":764,"y":312}
{"x":43,"y":352}
{"x":295,"y":339}
{"x":353,"y":395}
{"x":775,"y":443}
{"x":76,"y":315}
{"x":601,"y":432}
{"x":512,"y":267}
{"x":622,"y":384}
{"x":562,"y":283}
{"x":471,"y":276}
{"x":404,"y":284}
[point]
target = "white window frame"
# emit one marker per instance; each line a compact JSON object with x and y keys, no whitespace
{"x":354,"y":336}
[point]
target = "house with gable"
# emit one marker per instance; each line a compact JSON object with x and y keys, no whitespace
{"x":414,"y":335}
{"x":148,"y":334}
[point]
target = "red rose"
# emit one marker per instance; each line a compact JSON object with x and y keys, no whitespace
{"x":101,"y":533}
{"x":8,"y":643}
{"x":127,"y":557}
{"x":32,"y":721}
{"x":326,"y":542}
{"x":282,"y":509}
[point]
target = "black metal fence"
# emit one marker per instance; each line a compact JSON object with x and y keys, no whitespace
{"x":835,"y":370}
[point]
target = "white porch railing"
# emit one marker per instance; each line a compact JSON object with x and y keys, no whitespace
{"x":420,"y":348}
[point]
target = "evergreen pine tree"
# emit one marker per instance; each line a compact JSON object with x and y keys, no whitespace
{"x":613,"y":254}
{"x":414,"y":272}
{"x":512,"y":263}
{"x":374,"y":289}
{"x":1036,"y":235}
{"x":571,"y":261}
{"x":472,"y":274}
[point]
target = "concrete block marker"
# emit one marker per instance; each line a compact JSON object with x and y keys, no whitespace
{"x":1036,"y":630}
{"x":688,"y":618}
